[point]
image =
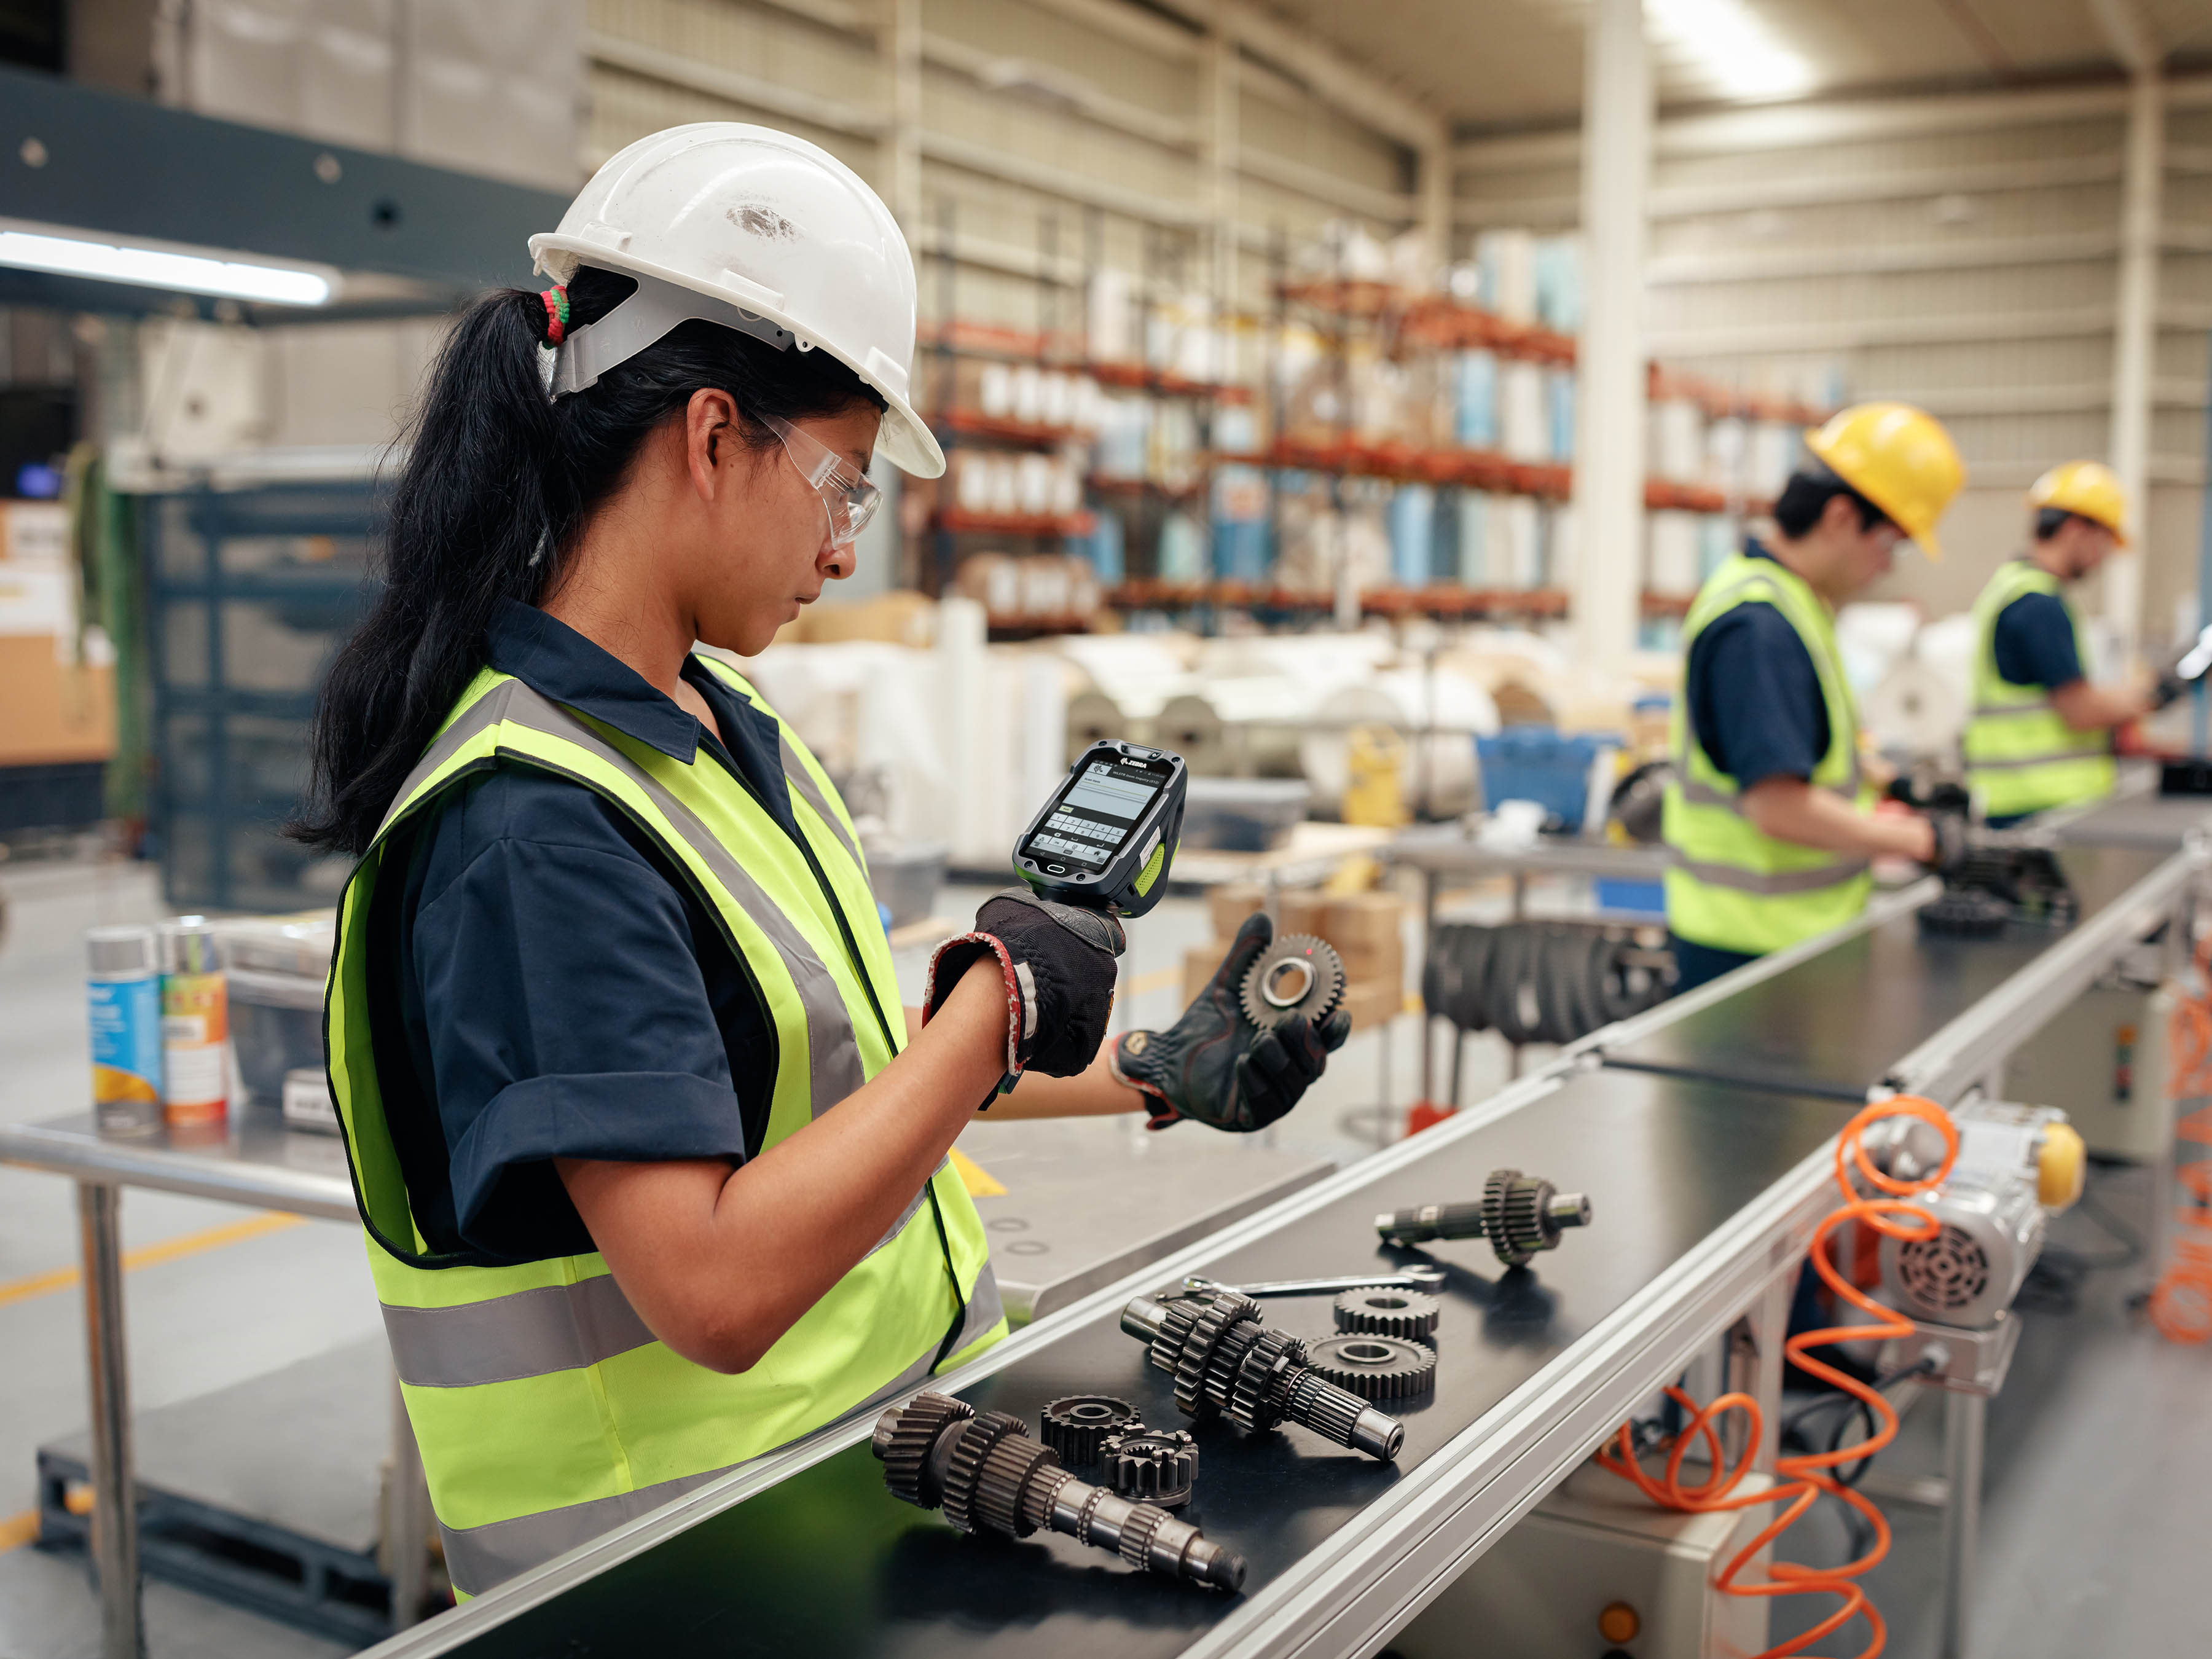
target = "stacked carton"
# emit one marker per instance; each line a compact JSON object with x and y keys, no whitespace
{"x":1367,"y":930}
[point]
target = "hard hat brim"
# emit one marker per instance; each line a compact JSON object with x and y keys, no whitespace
{"x":1926,"y":540}
{"x":904,"y":439}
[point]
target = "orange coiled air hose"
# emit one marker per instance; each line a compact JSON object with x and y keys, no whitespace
{"x":2181,"y":1304}
{"x":1800,"y":1480}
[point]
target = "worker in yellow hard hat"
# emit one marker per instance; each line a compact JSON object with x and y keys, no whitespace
{"x":2040,"y":734}
{"x":1768,"y":817}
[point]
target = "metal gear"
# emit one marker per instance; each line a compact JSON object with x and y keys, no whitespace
{"x":1523,"y":1215}
{"x":1077,"y":1425}
{"x":1230,"y":1365}
{"x":997,"y":1480}
{"x":1389,"y":1312}
{"x":966,"y":1467}
{"x":1297,"y":974}
{"x":1376,"y":1367}
{"x":912,"y":1434}
{"x":1152,"y":1465}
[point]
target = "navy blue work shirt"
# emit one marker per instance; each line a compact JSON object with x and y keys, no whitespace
{"x":1755,"y":701}
{"x":2033,"y":642}
{"x":546,"y":985}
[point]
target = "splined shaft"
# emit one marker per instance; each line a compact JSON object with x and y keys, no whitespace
{"x":1519,"y":1215}
{"x":1225,"y":1362}
{"x":989,"y":1475}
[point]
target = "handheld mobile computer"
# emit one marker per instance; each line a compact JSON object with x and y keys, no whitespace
{"x":1106,"y":838}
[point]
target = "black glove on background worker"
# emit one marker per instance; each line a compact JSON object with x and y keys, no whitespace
{"x":1057,"y":964}
{"x":1951,"y":841}
{"x":1216,"y":1066}
{"x":2180,"y":670}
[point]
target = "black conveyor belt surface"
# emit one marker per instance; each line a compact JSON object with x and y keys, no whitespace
{"x":1835,"y":1024}
{"x":2151,"y":821}
{"x":828,"y":1562}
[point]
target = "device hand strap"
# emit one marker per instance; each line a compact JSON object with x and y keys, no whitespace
{"x":1215,"y":1065}
{"x":1057,"y":962}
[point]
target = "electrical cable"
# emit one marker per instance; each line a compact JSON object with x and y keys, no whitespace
{"x":1800,"y":1480}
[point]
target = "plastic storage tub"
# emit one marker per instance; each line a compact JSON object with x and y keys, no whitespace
{"x":905,"y":879}
{"x":1538,"y":764}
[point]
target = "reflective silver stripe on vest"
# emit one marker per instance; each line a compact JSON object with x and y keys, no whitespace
{"x":555,"y":1327}
{"x":479,"y":1558}
{"x":835,"y":1071}
{"x":2095,"y":751}
{"x":1703,"y":794}
{"x":1780,"y":881}
{"x":2024,"y":706}
{"x":795,"y":773}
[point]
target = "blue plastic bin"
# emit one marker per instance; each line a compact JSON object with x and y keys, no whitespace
{"x":1539,"y":764}
{"x":1642,"y":898}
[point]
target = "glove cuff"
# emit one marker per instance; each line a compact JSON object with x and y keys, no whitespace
{"x":1127,"y":1047}
{"x":953,"y":958}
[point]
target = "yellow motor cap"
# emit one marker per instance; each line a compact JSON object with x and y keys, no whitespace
{"x":1897,"y":457}
{"x":2061,"y":1166}
{"x":1619,"y":1623}
{"x":2089,"y":488}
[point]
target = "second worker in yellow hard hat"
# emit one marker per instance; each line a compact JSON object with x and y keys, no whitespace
{"x":2040,"y":733}
{"x":1769,"y":816}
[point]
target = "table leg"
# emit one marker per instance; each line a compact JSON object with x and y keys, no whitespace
{"x":115,"y":1483}
{"x":1964,"y":1417}
{"x":1428,"y":934}
{"x":407,"y":1520}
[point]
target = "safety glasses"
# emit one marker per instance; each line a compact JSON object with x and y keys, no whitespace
{"x":850,"y":500}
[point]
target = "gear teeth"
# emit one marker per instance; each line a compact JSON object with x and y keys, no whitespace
{"x":974,"y":1445}
{"x":1152,"y":1465}
{"x":1138,"y":1532}
{"x":1376,"y":1367}
{"x":914,"y":1436}
{"x":1259,"y":1390}
{"x":1388,"y":1312}
{"x":1005,"y":1474}
{"x":1077,"y":1424}
{"x":1229,"y":1355}
{"x":1180,"y":1313}
{"x":1193,"y":1365}
{"x":1322,"y":999}
{"x":1493,"y":1215}
{"x":1330,"y":1411}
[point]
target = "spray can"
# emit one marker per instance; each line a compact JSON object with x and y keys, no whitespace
{"x":195,"y":1030}
{"x":122,"y":992}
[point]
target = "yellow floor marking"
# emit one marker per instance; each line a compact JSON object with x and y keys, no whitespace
{"x":18,"y":1530}
{"x":169,"y":1249}
{"x":978,"y":1180}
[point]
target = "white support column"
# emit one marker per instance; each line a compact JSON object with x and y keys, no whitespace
{"x":1609,"y":393}
{"x":2134,"y":340}
{"x":1433,"y":191}
{"x":1218,"y":147}
{"x":899,"y":42}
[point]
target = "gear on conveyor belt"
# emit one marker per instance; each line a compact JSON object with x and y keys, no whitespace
{"x":990,"y":1476}
{"x":1077,"y":1425}
{"x":1965,"y":916}
{"x":1226,"y":1364}
{"x":1376,"y":1367}
{"x":1297,"y":974}
{"x":1388,"y":1312}
{"x":1152,"y":1465}
{"x":1519,"y":1215}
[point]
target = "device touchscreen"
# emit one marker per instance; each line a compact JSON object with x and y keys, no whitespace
{"x":1092,"y":820}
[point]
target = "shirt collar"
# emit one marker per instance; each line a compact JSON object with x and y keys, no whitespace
{"x":556,"y":661}
{"x":1755,"y":549}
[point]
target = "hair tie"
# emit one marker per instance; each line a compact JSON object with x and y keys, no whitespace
{"x":556,"y":314}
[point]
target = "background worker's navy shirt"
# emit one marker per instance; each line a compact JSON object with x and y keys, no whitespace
{"x":2035,"y":643}
{"x":1755,"y":701}
{"x":544,"y":984}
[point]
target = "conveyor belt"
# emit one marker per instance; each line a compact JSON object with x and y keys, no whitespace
{"x":828,"y":1562}
{"x":2158,"y":824}
{"x":1833,"y":1024}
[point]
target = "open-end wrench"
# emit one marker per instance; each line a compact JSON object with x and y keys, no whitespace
{"x":1407,"y":1279}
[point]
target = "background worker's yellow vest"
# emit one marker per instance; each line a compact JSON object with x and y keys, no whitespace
{"x":547,"y":1412}
{"x":2022,"y":757}
{"x":1730,"y":886}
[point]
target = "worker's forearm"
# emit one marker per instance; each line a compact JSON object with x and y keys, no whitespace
{"x":719,"y":1262}
{"x":1789,"y":809}
{"x":2087,"y":708}
{"x":1094,"y":1092}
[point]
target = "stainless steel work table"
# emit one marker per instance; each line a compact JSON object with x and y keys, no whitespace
{"x":1705,"y":1190}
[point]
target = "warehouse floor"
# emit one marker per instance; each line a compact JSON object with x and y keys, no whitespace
{"x":2093,"y":1515}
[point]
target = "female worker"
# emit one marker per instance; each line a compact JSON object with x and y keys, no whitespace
{"x":653,"y":1169}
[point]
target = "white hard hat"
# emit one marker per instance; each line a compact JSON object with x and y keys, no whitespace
{"x":757,"y":231}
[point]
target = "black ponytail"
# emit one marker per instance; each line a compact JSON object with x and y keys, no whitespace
{"x":497,"y":481}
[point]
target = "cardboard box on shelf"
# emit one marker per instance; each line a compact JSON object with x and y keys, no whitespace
{"x":1376,"y":1003}
{"x":1231,"y":903}
{"x":57,"y":710}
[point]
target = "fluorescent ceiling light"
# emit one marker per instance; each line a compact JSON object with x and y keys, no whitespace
{"x":1732,"y":47}
{"x":26,"y":249}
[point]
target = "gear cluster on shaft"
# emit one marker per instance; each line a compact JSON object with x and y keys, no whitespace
{"x":989,"y":1475}
{"x":1227,"y":1364}
{"x":1519,"y":1214}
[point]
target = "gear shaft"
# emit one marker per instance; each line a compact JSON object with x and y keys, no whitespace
{"x":989,"y":1475}
{"x":1225,"y":1362}
{"x":1519,"y":1214}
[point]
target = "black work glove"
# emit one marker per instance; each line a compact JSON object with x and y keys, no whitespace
{"x":1951,"y":842}
{"x":1058,"y":964}
{"x":2180,"y":669}
{"x":1214,"y":1065}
